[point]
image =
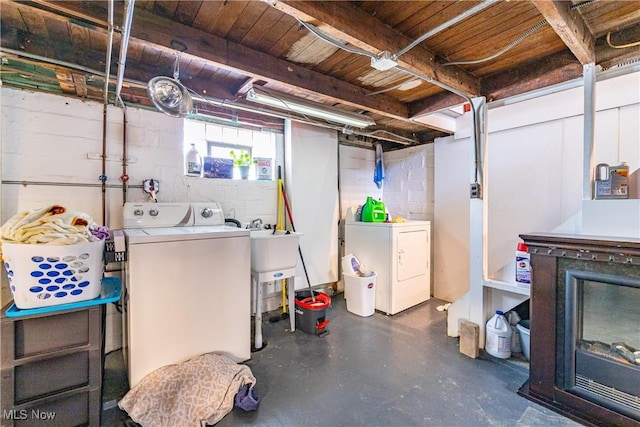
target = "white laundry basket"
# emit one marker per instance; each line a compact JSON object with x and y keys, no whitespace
{"x":46,"y":275}
{"x":360,"y":293}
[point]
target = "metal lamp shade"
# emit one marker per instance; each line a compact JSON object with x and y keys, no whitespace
{"x":169,"y":96}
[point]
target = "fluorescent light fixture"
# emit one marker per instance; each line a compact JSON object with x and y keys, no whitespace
{"x":308,"y":108}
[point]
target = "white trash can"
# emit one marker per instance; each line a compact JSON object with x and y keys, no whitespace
{"x":360,"y":293}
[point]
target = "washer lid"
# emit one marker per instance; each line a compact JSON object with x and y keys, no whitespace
{"x":177,"y":234}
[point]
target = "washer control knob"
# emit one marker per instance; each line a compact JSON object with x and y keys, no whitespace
{"x":153,"y":212}
{"x":138,"y":212}
{"x":206,"y":213}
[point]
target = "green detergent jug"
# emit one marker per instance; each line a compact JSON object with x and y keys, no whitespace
{"x":373,"y":211}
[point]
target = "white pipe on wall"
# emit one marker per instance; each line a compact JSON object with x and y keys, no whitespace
{"x":589,"y":129}
{"x":124,"y":45}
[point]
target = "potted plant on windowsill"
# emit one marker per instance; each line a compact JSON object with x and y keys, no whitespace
{"x":243,"y":162}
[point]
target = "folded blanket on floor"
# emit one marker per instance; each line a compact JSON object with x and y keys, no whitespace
{"x":52,"y":224}
{"x":194,"y":393}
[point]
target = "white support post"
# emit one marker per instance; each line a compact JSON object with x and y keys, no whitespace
{"x":477,"y":222}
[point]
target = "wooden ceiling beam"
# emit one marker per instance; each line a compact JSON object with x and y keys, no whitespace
{"x":244,"y":86}
{"x":544,"y":72}
{"x":570,"y":27}
{"x":65,"y":80}
{"x":151,"y":30}
{"x":435,"y":103}
{"x":344,"y":21}
{"x":627,"y":48}
{"x":80,"y":84}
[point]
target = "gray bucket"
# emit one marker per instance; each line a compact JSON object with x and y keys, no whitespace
{"x":311,"y":317}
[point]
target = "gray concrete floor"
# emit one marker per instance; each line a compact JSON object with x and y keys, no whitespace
{"x":381,"y":370}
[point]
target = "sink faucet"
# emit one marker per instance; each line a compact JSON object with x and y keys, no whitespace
{"x":256,"y":224}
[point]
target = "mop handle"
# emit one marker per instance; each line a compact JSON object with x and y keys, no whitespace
{"x":293,"y":227}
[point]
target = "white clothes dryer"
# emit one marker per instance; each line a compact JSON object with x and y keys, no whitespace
{"x":399,"y":253}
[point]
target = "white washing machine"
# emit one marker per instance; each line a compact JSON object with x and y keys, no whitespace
{"x":399,"y":253}
{"x":187,"y":286}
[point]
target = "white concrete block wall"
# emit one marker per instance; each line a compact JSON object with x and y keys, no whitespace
{"x":356,"y":177}
{"x":407,"y":190}
{"x":56,"y":150}
{"x":47,"y":138}
{"x":409,"y":182}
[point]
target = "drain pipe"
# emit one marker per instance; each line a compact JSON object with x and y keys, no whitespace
{"x":103,"y":176}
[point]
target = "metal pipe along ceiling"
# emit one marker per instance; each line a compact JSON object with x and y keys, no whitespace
{"x":446,"y":25}
{"x":126,"y":32}
{"x":109,"y":50}
{"x":475,"y":120}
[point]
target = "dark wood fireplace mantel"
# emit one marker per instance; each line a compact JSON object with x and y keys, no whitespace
{"x":551,"y":256}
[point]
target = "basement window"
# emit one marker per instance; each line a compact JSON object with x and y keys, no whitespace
{"x":218,"y":141}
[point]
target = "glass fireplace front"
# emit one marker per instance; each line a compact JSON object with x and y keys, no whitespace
{"x":602,"y":340}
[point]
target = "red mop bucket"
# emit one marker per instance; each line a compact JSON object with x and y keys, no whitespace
{"x":311,"y":315}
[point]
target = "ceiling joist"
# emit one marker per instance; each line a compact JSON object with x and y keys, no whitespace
{"x":353,"y":58}
{"x":344,"y":21}
{"x":153,"y":31}
{"x":570,"y":27}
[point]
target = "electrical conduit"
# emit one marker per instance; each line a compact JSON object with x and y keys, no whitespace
{"x":103,"y":176}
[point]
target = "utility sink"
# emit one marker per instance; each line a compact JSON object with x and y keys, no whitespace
{"x":273,"y":252}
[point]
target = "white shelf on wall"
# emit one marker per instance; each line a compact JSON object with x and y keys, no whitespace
{"x":617,"y":218}
{"x":507,"y":287}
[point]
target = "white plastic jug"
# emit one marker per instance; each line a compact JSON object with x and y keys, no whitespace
{"x":498,"y":336}
{"x":193,"y":162}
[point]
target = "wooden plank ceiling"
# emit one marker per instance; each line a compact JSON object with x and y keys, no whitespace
{"x":445,"y":51}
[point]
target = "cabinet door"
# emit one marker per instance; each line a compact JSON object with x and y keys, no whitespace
{"x":412,"y":255}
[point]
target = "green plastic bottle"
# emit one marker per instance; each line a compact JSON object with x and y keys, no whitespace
{"x":373,"y":210}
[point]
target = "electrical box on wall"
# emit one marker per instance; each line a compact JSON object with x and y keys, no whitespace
{"x":476,"y":190}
